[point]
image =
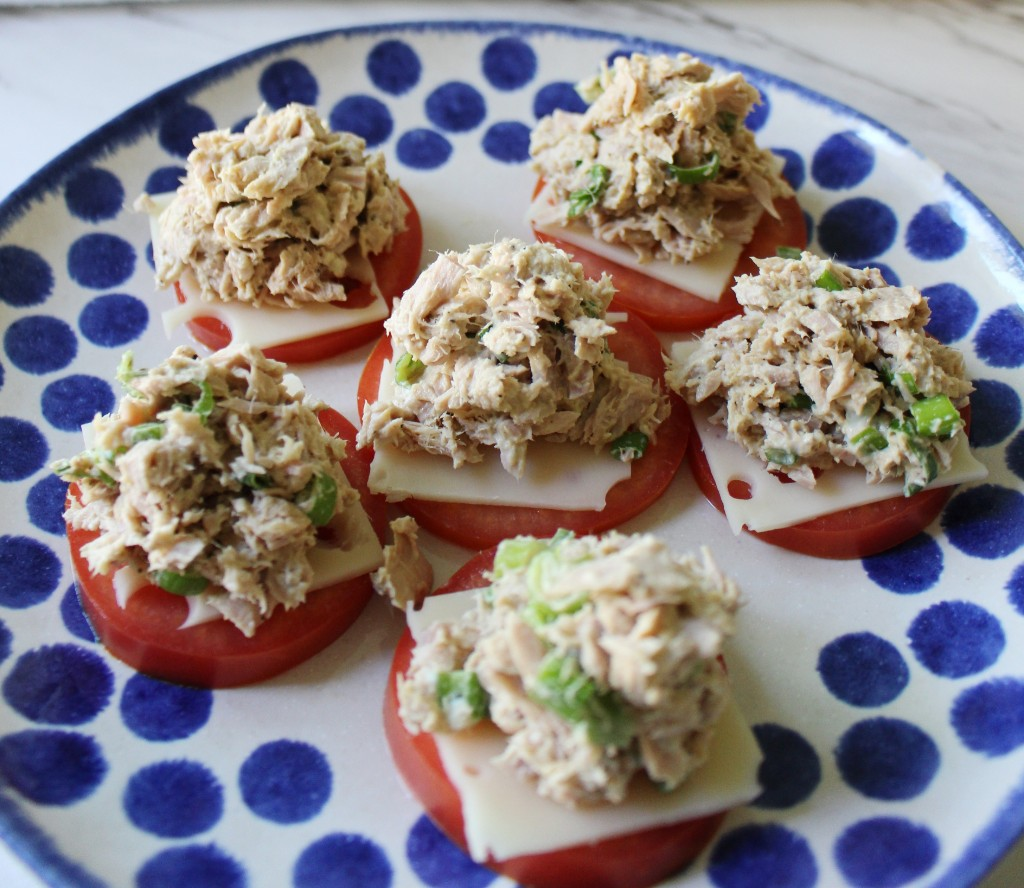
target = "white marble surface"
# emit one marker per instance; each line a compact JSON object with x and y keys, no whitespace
{"x":946,"y":74}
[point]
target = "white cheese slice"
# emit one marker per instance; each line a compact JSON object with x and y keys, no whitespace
{"x":506,"y":818}
{"x":773,"y":504}
{"x":706,"y":277}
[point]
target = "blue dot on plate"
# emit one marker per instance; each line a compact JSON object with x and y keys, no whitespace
{"x":159,"y":711}
{"x":509,"y":63}
{"x":885,"y":852}
{"x":365,"y":116}
{"x":45,"y":504}
{"x":174,"y":799}
{"x":986,"y":521}
{"x":52,"y":767}
{"x":40,"y":344}
{"x":285,"y":781}
{"x":1000,"y":338}
{"x":507,"y":141}
{"x":29,"y":571}
{"x":195,"y":866}
{"x":69,"y":403}
{"x":913,"y":566}
{"x":25,"y":277}
{"x":989,"y":718}
{"x":887,"y":758}
{"x":164,"y":179}
{"x":956,"y":638}
{"x":758,"y":855}
{"x":113,"y":320}
{"x":1015,"y":588}
{"x":23,"y":449}
{"x":995,"y":412}
{"x":61,"y":684}
{"x":288,"y":80}
{"x":842,"y":161}
{"x":1015,"y":455}
{"x":439,"y":862}
{"x":101,"y":261}
{"x":394,"y":67}
{"x":455,"y":107}
{"x":759,"y":114}
{"x":862,"y":669}
{"x":180,"y":125}
{"x":793,"y":170}
{"x":954,"y":312}
{"x":74,"y":617}
{"x":94,"y":194}
{"x":933,"y":234}
{"x":790,"y":770}
{"x":6,"y":637}
{"x":558,"y":96}
{"x":343,"y":860}
{"x":423,"y":149}
{"x":857,"y":229}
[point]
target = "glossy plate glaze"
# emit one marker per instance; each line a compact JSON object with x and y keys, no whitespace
{"x":887,"y":694}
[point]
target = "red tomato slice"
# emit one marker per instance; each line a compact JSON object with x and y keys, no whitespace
{"x":850,"y":533}
{"x":634,"y":860}
{"x":477,"y":526}
{"x":667,"y":307}
{"x":395,"y":270}
{"x":145,"y":634}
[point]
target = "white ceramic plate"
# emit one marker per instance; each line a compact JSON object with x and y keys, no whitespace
{"x":888,"y":694}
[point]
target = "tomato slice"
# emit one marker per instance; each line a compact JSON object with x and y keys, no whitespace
{"x":395,"y":270}
{"x":634,"y":860}
{"x":477,"y":525}
{"x":667,"y":307}
{"x":145,"y":634}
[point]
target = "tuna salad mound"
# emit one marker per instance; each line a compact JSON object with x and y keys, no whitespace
{"x":598,"y":657}
{"x":829,"y":364}
{"x":278,"y":214}
{"x":212,"y":478}
{"x":504,"y":344}
{"x":661,"y":161}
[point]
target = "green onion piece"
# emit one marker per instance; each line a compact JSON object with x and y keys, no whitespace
{"x":727,"y":121}
{"x":146,"y":431}
{"x":630,"y":445}
{"x":799,"y":401}
{"x":869,"y":440}
{"x":936,"y":417}
{"x":585,"y":198}
{"x":909,"y":383}
{"x":318,"y":499}
{"x":563,"y":687}
{"x":885,"y":375}
{"x":204,"y":406}
{"x":590,"y":309}
{"x":179,"y":583}
{"x":694,"y":175}
{"x":780,"y":457}
{"x":828,"y":280}
{"x":931,"y":466}
{"x":408,"y":369}
{"x":516,"y":552}
{"x":788,"y":252}
{"x":462,"y":698}
{"x":256,"y":481}
{"x":126,"y":372}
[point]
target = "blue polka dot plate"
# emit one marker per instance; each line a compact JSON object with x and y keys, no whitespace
{"x":887,"y":694}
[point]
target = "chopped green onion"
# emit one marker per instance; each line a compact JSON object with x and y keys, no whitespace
{"x":727,"y":121}
{"x":585,"y":198}
{"x":703,"y":172}
{"x":931,"y":466}
{"x":179,"y":583}
{"x":799,"y":401}
{"x":408,"y":369}
{"x":146,"y":431}
{"x":828,"y":280}
{"x":869,"y":440}
{"x":462,"y":698}
{"x":516,"y":552}
{"x":563,"y":687}
{"x":590,"y":309}
{"x":126,"y":372}
{"x":780,"y":457}
{"x":909,"y":383}
{"x":788,"y":252}
{"x":256,"y":481}
{"x":630,"y":445}
{"x":318,"y":499}
{"x":936,"y":417}
{"x":885,"y":375}
{"x":482,"y":332}
{"x":204,"y":406}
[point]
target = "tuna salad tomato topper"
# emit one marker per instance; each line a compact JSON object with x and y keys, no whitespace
{"x":830,"y":366}
{"x":661,"y":184}
{"x":288,"y":233}
{"x":581,"y":677}
{"x":509,"y":379}
{"x":216,"y":483}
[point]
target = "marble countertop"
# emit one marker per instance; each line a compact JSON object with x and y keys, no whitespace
{"x":946,"y":74}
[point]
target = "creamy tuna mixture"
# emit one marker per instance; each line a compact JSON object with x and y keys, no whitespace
{"x":211,"y":477}
{"x":829,"y":364}
{"x":505,"y":344}
{"x":661,"y":160}
{"x":279,"y":214}
{"x":598,"y":657}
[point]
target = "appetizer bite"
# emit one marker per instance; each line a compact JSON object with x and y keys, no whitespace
{"x":504,"y":401}
{"x":661,"y":184}
{"x":565,"y":716}
{"x":219,"y":533}
{"x":830,"y":381}
{"x":285,"y":235}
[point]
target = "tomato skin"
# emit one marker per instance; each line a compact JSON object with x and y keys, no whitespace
{"x":667,"y":307}
{"x":145,"y":634}
{"x":634,"y":860}
{"x":479,"y":525}
{"x":396,"y":270}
